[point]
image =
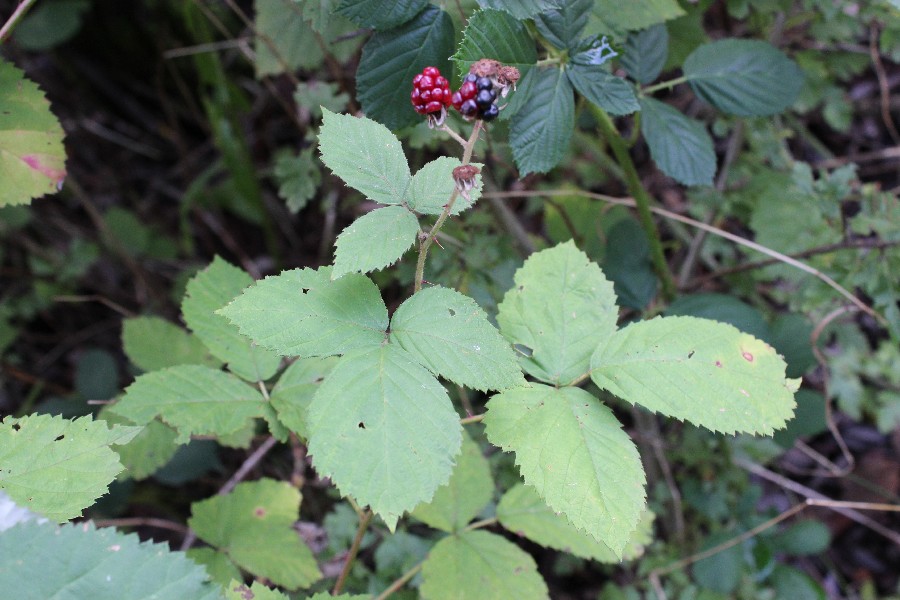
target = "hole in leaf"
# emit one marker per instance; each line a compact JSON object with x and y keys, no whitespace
{"x":319,"y":379}
{"x":690,"y":354}
{"x":59,"y":438}
{"x":452,"y":312}
{"x":523,"y":350}
{"x":361,"y":425}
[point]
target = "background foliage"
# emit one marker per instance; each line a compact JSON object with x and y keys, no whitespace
{"x":196,"y":200}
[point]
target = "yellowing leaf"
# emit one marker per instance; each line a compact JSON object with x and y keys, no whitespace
{"x":253,"y":524}
{"x":698,"y":370}
{"x":572,"y":450}
{"x":32,"y":157}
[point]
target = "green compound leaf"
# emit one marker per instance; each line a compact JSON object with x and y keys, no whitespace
{"x":562,"y":26}
{"x":521,"y":9}
{"x":153,"y":343}
{"x":253,"y":524}
{"x":572,"y":450}
{"x":302,"y":312}
{"x":194,"y":400}
{"x":432,"y":185}
{"x":458,"y":501}
{"x":58,"y":467}
{"x":209,"y":291}
{"x":541,"y":129}
{"x":390,"y":60}
{"x":380,"y":14}
{"x":523,"y":512}
{"x":680,"y":146}
{"x":396,"y":421}
{"x":294,"y":391}
{"x":747,"y":78}
{"x":698,"y":370}
{"x":150,"y":450}
{"x":478,"y":565}
{"x":32,"y":157}
{"x":375,"y":240}
{"x":611,"y":16}
{"x":448,"y":333}
{"x":559,"y":310}
{"x":79,"y":561}
{"x":645,"y":53}
{"x":366,"y":155}
{"x":495,"y":34}
{"x":612,"y":94}
{"x":237,"y":590}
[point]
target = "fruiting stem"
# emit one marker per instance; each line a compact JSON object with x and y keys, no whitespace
{"x":428,"y":238}
{"x":399,"y":583}
{"x":351,"y":554}
{"x":641,"y":198}
{"x":453,"y":134}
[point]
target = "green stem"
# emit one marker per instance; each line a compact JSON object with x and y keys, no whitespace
{"x":14,"y":19}
{"x":481,"y":523}
{"x":426,"y":239}
{"x":472,"y":419}
{"x":663,"y":85}
{"x":351,"y":554}
{"x":641,"y":199}
{"x":403,"y":580}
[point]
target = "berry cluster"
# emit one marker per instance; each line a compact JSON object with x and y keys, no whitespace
{"x":431,"y":92}
{"x":476,"y":98}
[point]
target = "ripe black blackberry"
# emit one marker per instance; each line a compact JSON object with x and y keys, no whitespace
{"x":476,"y":98}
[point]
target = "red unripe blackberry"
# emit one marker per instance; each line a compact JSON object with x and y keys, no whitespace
{"x":431,"y":92}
